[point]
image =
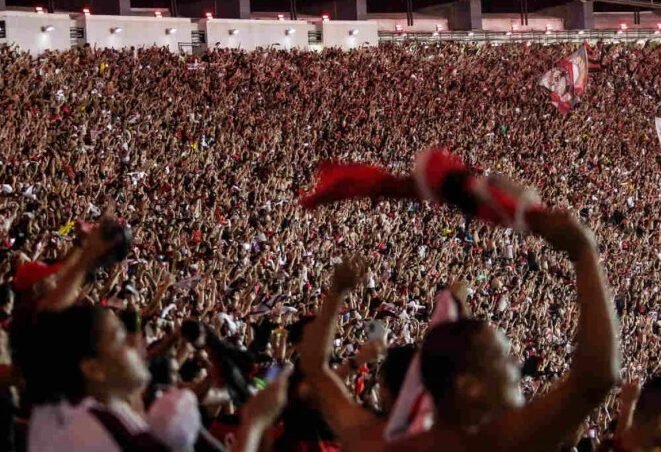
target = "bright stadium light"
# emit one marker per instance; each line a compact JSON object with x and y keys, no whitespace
{"x":325,"y":18}
{"x":158,"y":14}
{"x":208,"y":15}
{"x":39,"y":9}
{"x":281,"y":17}
{"x":87,"y":12}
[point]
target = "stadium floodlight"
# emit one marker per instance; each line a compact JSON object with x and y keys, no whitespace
{"x":170,"y":31}
{"x":115,"y":30}
{"x":233,"y":32}
{"x":87,"y":12}
{"x":281,"y":17}
{"x":353,"y":32}
{"x":290,"y":31}
{"x":208,"y":15}
{"x":325,"y":18}
{"x":158,"y":14}
{"x":47,"y":28}
{"x":39,"y":9}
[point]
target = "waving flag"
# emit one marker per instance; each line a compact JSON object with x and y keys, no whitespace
{"x":414,"y":408}
{"x":567,"y":80}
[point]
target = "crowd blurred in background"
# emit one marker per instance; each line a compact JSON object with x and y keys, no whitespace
{"x":193,"y":167}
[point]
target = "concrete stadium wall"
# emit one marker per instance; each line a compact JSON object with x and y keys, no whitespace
{"x":421,"y":23}
{"x":504,"y":22}
{"x":338,"y":34}
{"x":611,"y":21}
{"x":137,"y":31}
{"x":25,"y":30}
{"x":250,"y":34}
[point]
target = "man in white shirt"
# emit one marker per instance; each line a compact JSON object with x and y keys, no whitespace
{"x":80,"y":370}
{"x":95,"y":372}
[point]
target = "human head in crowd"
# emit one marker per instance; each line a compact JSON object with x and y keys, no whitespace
{"x":88,"y":352}
{"x":33,"y":279}
{"x":392,"y":373}
{"x":469,"y":371}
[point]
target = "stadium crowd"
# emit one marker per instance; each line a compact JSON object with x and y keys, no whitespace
{"x":204,"y":160}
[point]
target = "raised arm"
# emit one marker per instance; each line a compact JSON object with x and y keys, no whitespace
{"x":344,"y":416}
{"x":321,"y":332}
{"x":628,"y":399}
{"x":259,"y":413}
{"x":596,"y":362}
{"x":71,"y":276}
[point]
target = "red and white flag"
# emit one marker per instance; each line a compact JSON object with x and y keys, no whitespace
{"x":567,"y":80}
{"x":414,"y":409}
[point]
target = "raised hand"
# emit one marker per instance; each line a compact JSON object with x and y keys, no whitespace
{"x":348,"y":273}
{"x":563,"y":231}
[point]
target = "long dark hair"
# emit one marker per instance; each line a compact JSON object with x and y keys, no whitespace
{"x":62,"y":340}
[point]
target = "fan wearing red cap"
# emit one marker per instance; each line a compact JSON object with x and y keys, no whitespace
{"x":35,"y":277}
{"x":51,"y":287}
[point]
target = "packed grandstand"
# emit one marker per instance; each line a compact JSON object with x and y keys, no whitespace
{"x":204,"y":161}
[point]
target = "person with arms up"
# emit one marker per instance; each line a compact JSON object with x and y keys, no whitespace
{"x":467,"y":368}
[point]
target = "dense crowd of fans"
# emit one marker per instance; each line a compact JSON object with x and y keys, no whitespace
{"x":204,"y":161}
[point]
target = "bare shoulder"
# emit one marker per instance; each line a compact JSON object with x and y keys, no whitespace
{"x":435,"y":440}
{"x":365,"y":437}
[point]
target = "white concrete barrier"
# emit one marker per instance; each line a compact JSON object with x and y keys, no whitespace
{"x":250,"y":34}
{"x":137,"y":31}
{"x":349,"y":34}
{"x":36,"y":33}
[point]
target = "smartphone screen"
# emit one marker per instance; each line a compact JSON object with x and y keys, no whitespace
{"x":272,"y":373}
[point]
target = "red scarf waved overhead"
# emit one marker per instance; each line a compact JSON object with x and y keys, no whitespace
{"x":438,"y":176}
